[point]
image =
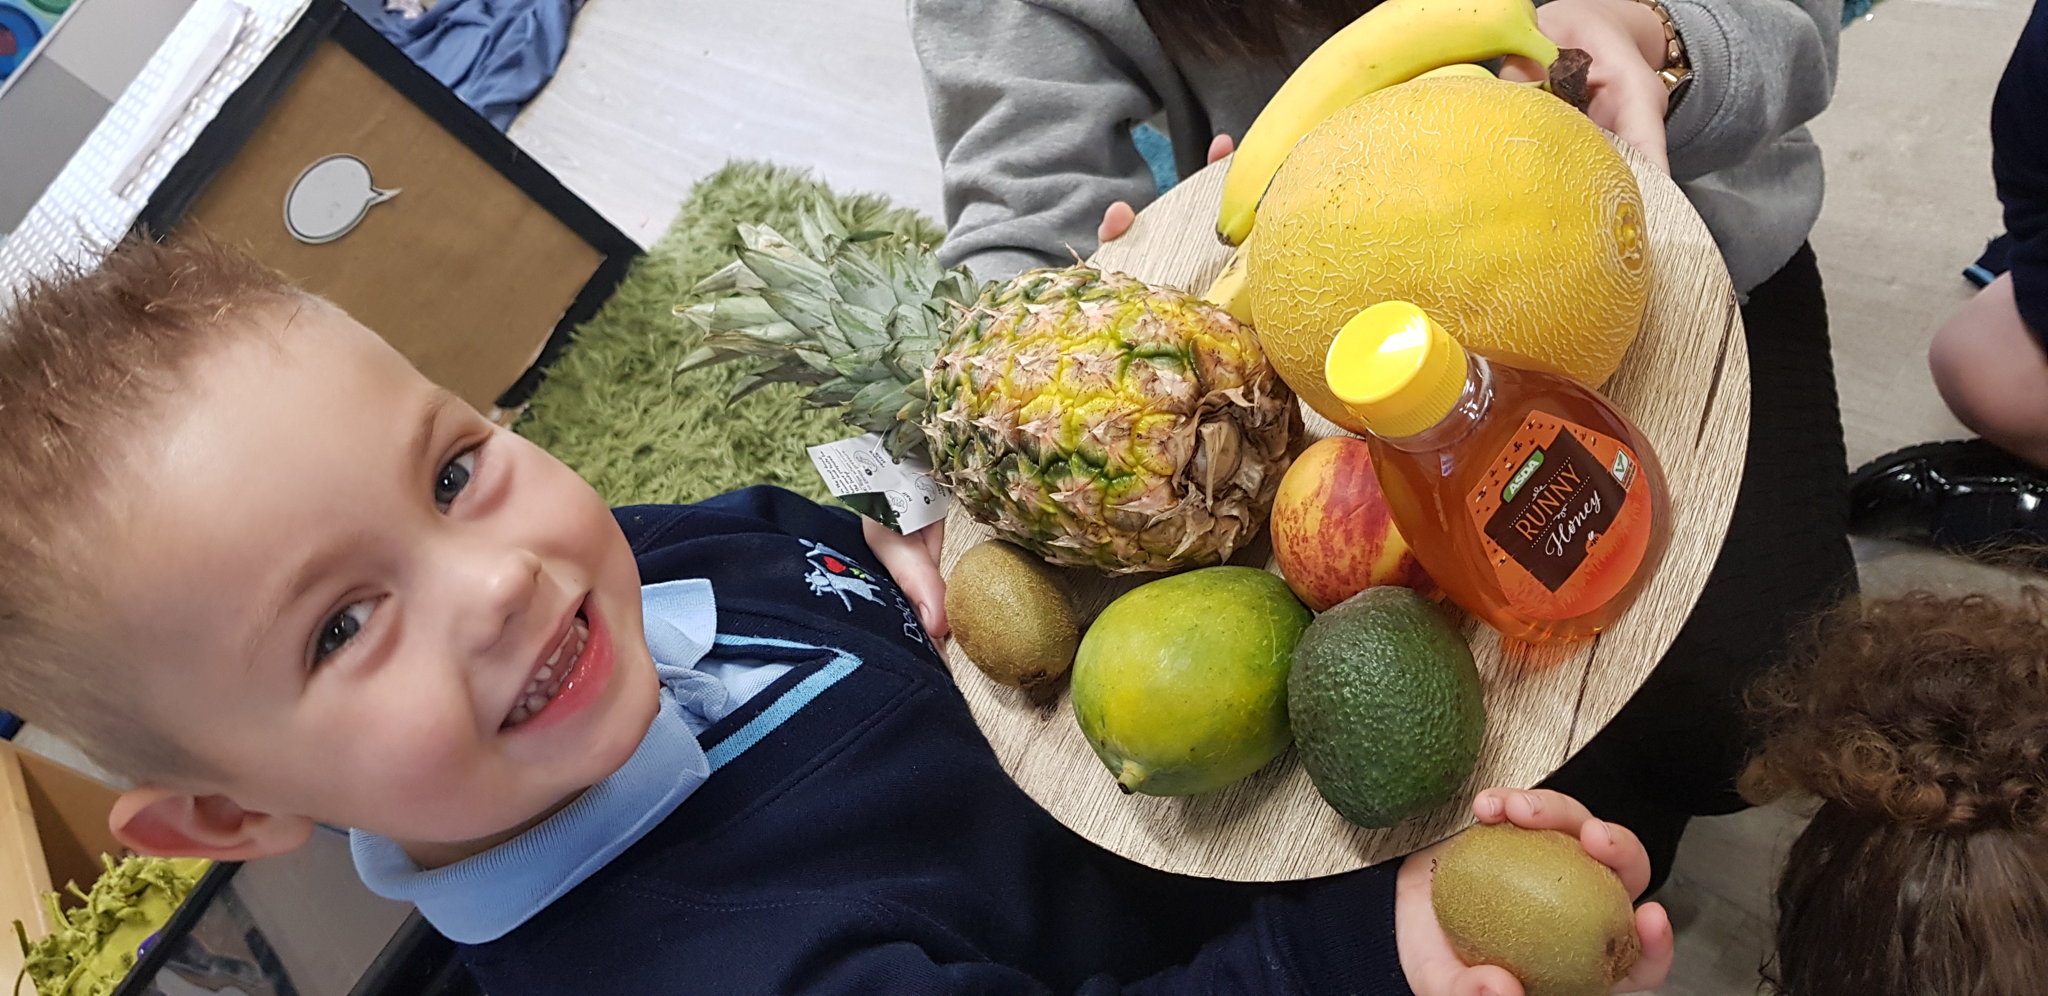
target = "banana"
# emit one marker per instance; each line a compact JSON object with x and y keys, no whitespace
{"x":1391,"y":44}
{"x":1458,"y":69}
{"x":1228,"y":291}
{"x":1478,"y":73}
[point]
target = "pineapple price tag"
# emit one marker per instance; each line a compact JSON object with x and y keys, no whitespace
{"x":899,"y":494}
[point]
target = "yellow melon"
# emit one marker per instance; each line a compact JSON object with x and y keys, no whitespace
{"x":1498,"y":209}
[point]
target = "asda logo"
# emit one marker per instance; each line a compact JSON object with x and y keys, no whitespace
{"x":1528,"y":470}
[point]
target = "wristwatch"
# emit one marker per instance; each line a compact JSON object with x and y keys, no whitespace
{"x":1677,"y":70}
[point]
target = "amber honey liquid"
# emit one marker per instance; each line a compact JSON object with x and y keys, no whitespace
{"x":1533,"y":504}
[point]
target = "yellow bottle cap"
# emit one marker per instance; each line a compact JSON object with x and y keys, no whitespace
{"x":1396,"y":368}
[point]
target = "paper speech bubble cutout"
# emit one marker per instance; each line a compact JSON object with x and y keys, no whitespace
{"x":329,"y":199}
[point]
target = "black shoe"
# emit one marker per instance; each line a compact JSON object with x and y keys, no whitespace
{"x":1965,"y":495}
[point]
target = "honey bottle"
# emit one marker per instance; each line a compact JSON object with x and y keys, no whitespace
{"x":1533,"y":503}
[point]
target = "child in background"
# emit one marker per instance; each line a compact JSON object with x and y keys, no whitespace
{"x":259,"y":565}
{"x":1921,"y":726}
{"x":1989,"y":360}
{"x":1033,"y":101}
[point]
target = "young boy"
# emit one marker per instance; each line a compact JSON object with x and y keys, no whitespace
{"x":260,"y":565}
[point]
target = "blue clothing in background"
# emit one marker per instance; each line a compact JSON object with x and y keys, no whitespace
{"x":495,"y":54}
{"x":2019,"y":165}
{"x":1158,"y":152}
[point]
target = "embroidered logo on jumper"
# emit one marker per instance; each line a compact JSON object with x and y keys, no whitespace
{"x":832,"y":573}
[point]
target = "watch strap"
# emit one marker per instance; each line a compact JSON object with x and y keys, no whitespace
{"x":1677,"y":69}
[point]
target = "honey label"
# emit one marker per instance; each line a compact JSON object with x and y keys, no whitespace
{"x":1564,"y":516}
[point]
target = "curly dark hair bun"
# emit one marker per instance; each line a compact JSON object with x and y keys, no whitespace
{"x":1924,"y":711}
{"x":1921,"y":723}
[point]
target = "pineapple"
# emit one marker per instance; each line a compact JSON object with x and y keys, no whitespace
{"x":1085,"y":416}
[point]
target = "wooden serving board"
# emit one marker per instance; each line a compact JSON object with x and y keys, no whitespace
{"x":1685,"y":382}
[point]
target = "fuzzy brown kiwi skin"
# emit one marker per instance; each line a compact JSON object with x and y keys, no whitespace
{"x":1499,"y":892}
{"x":1009,"y":615}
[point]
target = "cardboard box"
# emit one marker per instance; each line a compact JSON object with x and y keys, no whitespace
{"x":53,"y":829}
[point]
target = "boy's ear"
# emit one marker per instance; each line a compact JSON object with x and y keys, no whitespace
{"x":160,"y":821}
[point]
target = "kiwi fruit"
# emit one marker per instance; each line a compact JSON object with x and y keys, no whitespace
{"x":1012,"y":619}
{"x":1535,"y":903}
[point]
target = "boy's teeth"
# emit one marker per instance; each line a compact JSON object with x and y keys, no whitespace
{"x":548,"y":680}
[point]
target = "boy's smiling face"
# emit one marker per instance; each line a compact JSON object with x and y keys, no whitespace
{"x":357,"y":601}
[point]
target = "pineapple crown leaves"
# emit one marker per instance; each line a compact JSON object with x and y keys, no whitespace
{"x":855,"y":317}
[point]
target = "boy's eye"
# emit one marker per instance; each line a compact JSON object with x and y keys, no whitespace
{"x":453,"y":478}
{"x":339,"y":629}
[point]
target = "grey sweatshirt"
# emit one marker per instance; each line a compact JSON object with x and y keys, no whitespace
{"x":1032,"y":102}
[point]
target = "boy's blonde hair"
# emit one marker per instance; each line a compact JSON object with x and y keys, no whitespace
{"x":88,"y":360}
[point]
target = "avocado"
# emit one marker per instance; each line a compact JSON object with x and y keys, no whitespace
{"x":1010,"y":617}
{"x":1386,"y":706}
{"x":1535,"y":903}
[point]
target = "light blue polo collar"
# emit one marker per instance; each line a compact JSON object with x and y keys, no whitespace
{"x":485,"y":897}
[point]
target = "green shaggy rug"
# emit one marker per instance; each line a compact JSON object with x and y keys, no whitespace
{"x":612,"y":406}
